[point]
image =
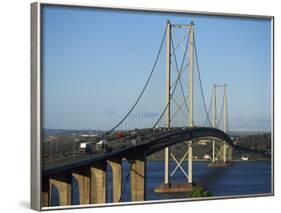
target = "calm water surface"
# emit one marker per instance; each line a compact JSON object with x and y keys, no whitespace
{"x":239,"y":179}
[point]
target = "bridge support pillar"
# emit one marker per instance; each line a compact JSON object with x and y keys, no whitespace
{"x":224,"y":152}
{"x":45,"y":194}
{"x":138,"y":175}
{"x":214,"y":152}
{"x":116,"y":165}
{"x":63,"y":185}
{"x":229,"y":152}
{"x":190,"y":162}
{"x":179,"y":187}
{"x":98,"y":182}
{"x":83,"y":178}
{"x":222,"y":159}
{"x":167,"y":166}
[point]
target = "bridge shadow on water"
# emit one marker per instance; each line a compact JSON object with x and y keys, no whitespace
{"x":210,"y":175}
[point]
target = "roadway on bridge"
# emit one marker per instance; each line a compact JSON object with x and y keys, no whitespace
{"x":145,"y":141}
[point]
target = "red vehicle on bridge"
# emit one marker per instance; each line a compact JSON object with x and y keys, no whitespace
{"x":120,"y":135}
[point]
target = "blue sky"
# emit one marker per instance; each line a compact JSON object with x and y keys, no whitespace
{"x":95,"y":62}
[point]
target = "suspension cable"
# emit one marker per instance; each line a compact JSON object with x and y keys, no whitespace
{"x":145,"y":86}
{"x":174,"y":89}
{"x":220,"y":117}
{"x":209,"y":111}
{"x":199,"y":75}
{"x":179,"y":73}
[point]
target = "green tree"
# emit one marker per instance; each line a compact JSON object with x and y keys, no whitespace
{"x":198,"y":191}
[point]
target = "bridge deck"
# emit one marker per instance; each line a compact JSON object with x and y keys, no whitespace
{"x":147,"y":142}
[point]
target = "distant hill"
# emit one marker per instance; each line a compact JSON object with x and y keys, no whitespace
{"x":69,"y":132}
{"x":257,"y":144}
{"x":246,"y":133}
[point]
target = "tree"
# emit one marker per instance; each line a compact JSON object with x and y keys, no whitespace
{"x":198,"y":191}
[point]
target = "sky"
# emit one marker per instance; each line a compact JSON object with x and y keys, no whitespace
{"x":95,"y":63}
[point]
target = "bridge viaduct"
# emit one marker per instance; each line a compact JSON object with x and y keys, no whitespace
{"x":91,"y":172}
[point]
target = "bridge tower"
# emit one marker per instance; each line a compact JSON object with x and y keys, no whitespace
{"x":221,"y":153}
{"x":227,"y":149}
{"x":168,"y":98}
{"x":214,"y":120}
{"x":190,"y":117}
{"x":189,"y":122}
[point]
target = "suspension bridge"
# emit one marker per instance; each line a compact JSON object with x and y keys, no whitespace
{"x":163,"y":114}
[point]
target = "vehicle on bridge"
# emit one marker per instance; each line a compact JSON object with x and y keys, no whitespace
{"x":102,"y":144}
{"x":85,"y":147}
{"x":120,"y":135}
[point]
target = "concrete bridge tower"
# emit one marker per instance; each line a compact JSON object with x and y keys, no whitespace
{"x":168,"y":186}
{"x":221,"y":153}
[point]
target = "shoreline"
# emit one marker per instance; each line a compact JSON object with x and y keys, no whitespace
{"x":202,"y":160}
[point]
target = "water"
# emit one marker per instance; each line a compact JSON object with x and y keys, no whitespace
{"x":240,"y":178}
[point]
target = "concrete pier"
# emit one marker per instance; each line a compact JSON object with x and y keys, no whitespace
{"x":218,"y":164}
{"x":138,"y":174}
{"x":116,"y":165}
{"x":83,"y":178}
{"x":223,"y":156}
{"x":63,"y":184}
{"x":98,"y":182}
{"x":174,"y":188}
